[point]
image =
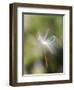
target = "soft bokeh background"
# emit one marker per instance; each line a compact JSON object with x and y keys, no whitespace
{"x":43,"y":44}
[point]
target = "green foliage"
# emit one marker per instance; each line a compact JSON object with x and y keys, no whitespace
{"x":32,"y":50}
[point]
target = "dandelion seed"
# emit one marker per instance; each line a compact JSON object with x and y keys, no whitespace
{"x":49,"y":42}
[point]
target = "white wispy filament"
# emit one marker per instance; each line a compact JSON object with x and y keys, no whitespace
{"x":48,"y":42}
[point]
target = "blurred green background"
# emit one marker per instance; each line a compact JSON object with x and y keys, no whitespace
{"x":38,"y":58}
